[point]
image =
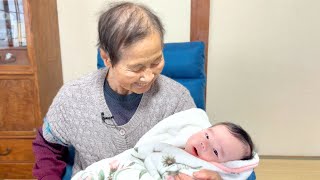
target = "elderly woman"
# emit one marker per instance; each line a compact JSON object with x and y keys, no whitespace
{"x":106,"y":112}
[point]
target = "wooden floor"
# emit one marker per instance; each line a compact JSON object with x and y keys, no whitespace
{"x":288,"y":169}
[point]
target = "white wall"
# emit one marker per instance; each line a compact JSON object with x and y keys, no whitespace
{"x":78,"y":29}
{"x":264,"y":69}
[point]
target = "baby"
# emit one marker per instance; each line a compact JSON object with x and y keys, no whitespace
{"x":222,"y":142}
{"x":223,"y":147}
{"x":181,"y":145}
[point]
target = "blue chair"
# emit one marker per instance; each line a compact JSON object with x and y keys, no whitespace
{"x":185,"y":63}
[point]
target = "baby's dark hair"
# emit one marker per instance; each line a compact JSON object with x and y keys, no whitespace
{"x":238,"y":132}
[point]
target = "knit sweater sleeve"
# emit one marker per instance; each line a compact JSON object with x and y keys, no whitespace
{"x":172,"y":95}
{"x":50,"y":145}
{"x":49,"y":158}
{"x":55,"y":127}
{"x":185,"y":102}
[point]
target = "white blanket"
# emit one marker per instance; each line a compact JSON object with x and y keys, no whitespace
{"x":153,"y":160}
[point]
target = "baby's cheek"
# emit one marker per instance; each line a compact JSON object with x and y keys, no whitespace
{"x":187,"y":150}
{"x":205,"y":156}
{"x":210,"y":156}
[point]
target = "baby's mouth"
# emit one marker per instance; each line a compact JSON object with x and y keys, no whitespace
{"x":195,"y":151}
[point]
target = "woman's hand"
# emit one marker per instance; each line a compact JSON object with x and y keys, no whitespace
{"x":181,"y":176}
{"x":205,"y":174}
{"x":200,"y":175}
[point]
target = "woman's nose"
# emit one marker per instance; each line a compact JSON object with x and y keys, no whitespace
{"x":147,"y":76}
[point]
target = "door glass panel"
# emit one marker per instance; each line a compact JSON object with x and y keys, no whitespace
{"x":13,"y":39}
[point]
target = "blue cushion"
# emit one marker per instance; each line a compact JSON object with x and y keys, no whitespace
{"x":185,"y":63}
{"x":252,"y":176}
{"x":184,"y":60}
{"x":100,"y":63}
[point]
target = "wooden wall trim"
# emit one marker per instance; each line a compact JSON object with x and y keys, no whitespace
{"x":199,"y":26}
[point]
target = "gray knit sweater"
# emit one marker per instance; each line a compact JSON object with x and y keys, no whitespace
{"x":74,"y":117}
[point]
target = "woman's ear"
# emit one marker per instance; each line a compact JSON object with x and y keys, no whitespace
{"x":105,"y":58}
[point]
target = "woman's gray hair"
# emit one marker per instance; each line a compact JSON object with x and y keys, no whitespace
{"x":124,"y":24}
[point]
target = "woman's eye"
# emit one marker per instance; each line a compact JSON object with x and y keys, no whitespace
{"x":155,"y":64}
{"x":137,"y":69}
{"x":215,"y":152}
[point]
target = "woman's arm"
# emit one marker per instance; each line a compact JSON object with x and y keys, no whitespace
{"x":50,"y":159}
{"x":186,"y":102}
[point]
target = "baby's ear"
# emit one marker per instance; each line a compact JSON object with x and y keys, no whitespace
{"x":105,"y":57}
{"x":248,"y":153}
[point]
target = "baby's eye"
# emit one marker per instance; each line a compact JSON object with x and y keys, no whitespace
{"x":215,"y":152}
{"x":207,"y":136}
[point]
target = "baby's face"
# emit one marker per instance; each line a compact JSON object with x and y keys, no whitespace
{"x":216,"y":144}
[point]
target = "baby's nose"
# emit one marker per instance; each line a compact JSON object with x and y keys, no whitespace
{"x":203,"y":146}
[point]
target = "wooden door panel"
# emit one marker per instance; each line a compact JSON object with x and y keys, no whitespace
{"x":17,"y":105}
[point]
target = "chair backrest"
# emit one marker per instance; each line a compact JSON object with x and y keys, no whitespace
{"x":185,"y":63}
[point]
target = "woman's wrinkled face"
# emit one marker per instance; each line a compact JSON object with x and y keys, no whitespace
{"x":139,"y":66}
{"x":216,"y":144}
